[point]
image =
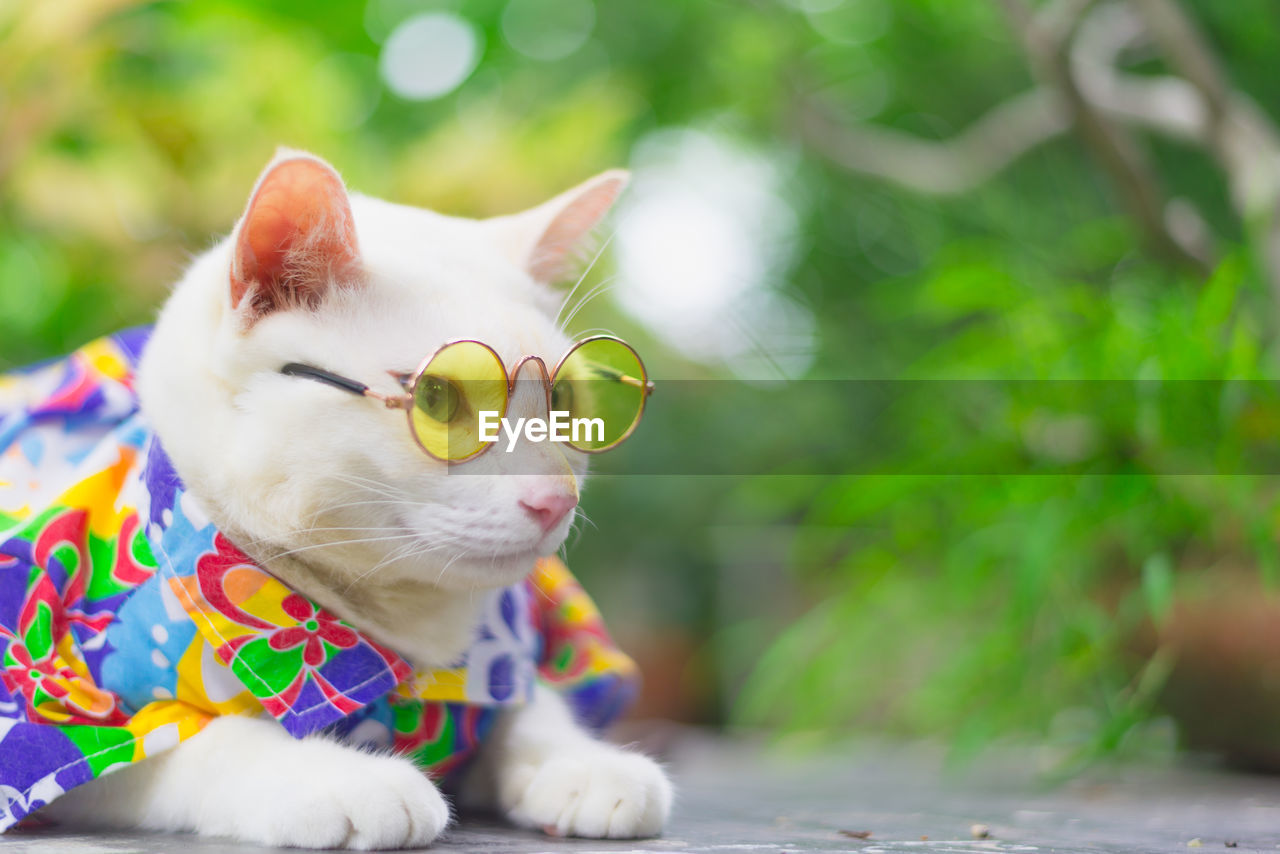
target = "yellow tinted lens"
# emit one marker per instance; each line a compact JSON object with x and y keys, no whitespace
{"x":601,"y":384}
{"x":460,"y":382}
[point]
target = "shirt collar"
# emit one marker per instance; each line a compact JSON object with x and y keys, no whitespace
{"x":306,"y":666}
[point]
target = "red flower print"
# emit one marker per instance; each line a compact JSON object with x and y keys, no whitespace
{"x":317,"y":625}
{"x":54,"y":691}
{"x":24,"y":675}
{"x":212,"y":570}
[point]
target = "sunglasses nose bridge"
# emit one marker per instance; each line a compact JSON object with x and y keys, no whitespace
{"x":524,"y":360}
{"x":540,"y":373}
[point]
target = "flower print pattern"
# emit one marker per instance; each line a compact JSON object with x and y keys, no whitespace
{"x":54,"y":691}
{"x":315,"y":628}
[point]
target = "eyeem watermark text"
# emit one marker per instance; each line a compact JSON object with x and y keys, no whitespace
{"x":560,"y":428}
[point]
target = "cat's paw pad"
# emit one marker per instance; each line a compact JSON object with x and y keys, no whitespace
{"x":363,"y":803}
{"x":604,"y":792}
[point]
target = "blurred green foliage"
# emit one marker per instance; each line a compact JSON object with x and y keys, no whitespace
{"x":968,"y":606}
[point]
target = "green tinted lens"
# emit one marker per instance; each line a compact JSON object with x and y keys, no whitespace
{"x":461,"y":381}
{"x":601,"y":384}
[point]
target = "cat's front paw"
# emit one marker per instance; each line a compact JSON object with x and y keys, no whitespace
{"x":364,"y":802}
{"x":597,"y":792}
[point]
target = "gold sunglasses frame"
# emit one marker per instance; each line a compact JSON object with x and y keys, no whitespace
{"x":410,"y":383}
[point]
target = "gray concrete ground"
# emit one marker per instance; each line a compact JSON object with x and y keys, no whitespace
{"x":738,"y":799}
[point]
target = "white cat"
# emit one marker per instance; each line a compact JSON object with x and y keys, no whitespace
{"x":364,"y":287}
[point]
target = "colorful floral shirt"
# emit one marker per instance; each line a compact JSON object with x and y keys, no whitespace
{"x":128,"y":621}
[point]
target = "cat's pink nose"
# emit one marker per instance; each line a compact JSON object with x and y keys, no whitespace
{"x":549,"y":504}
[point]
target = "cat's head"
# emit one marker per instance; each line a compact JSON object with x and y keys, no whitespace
{"x":365,"y":288}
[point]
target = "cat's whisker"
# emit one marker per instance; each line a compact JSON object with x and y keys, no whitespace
{"x":390,"y":558}
{"x":336,"y":543}
{"x":362,"y":576}
{"x":604,"y":286}
{"x":377,"y":502}
{"x":446,"y":566}
{"x":388,"y":495}
{"x":575,"y":534}
{"x":350,"y":477}
{"x":374,"y":486}
{"x":302,"y":532}
{"x":599,"y":288}
{"x":544,"y":594}
{"x":370,"y":502}
{"x":358,"y":478}
{"x":595,"y":330}
{"x":569,"y":296}
{"x":407,"y":551}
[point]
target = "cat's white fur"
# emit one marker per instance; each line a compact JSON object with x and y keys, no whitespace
{"x":329,"y":492}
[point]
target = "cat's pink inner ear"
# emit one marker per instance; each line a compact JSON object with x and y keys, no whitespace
{"x":297,"y":237}
{"x":567,"y":221}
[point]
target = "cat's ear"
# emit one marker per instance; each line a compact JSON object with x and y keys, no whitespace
{"x":548,"y":240}
{"x":296,"y":240}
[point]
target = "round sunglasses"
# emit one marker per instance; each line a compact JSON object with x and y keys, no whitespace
{"x":600,"y":382}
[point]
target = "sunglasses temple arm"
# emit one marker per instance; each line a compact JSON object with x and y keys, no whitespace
{"x":626,"y":379}
{"x":391,"y":401}
{"x":645,"y":385}
{"x":296,"y":369}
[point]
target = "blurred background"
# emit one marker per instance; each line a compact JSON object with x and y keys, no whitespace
{"x":826,"y":193}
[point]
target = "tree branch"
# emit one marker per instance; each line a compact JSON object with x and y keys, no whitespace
{"x":1200,"y":109}
{"x":1184,"y":47}
{"x":943,"y":168}
{"x":1109,"y":143}
{"x":1075,"y":50}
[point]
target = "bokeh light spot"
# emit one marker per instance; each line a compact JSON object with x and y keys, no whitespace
{"x":382,"y":16}
{"x":814,"y":5}
{"x":704,"y":239}
{"x":428,"y":56}
{"x":548,"y":29}
{"x":851,"y":22}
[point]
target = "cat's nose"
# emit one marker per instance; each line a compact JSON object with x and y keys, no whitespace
{"x":547,"y":504}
